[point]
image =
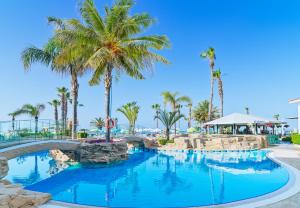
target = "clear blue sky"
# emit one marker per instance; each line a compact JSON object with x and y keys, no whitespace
{"x":257,"y":44}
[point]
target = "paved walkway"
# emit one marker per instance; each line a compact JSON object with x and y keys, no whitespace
{"x":289,"y":154}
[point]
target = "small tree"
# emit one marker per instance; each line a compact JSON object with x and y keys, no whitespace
{"x":247,"y":110}
{"x":13,"y":117}
{"x":34,"y":112}
{"x":156,"y":107}
{"x":130,"y":111}
{"x":201,"y":112}
{"x":98,"y":123}
{"x":276,"y":116}
{"x":168,"y":119}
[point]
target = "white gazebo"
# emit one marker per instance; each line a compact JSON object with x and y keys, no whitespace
{"x":237,"y":119}
{"x":297,"y":101}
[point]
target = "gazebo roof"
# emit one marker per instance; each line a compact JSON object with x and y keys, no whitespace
{"x":295,"y":100}
{"x":241,"y":119}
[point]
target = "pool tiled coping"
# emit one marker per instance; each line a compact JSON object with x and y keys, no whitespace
{"x":287,"y":196}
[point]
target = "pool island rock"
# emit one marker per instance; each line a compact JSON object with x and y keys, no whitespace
{"x":101,"y":153}
{"x":14,"y":196}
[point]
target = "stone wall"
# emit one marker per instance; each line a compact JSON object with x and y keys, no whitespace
{"x":219,"y":142}
{"x":3,"y":167}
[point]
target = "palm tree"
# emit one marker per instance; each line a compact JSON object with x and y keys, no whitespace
{"x":168,"y":119}
{"x":13,"y":115}
{"x":48,"y":56}
{"x":111,"y":43}
{"x":174,"y":100}
{"x":98,"y":122}
{"x":211,"y":56}
{"x":218,"y":76}
{"x":190,"y":106}
{"x":247,"y":110}
{"x":63,"y":93}
{"x":55,"y":103}
{"x":276,"y":116}
{"x":156,"y":107}
{"x":130,"y":111}
{"x":201,"y":112}
{"x":34,"y":112}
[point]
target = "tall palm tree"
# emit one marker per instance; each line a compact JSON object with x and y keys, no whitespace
{"x":112,"y":44}
{"x":201,"y":112}
{"x":156,"y":107}
{"x":247,"y":109}
{"x":218,"y":76}
{"x":55,"y":103}
{"x":34,"y":111}
{"x":190,"y":106}
{"x":174,"y":100}
{"x":211,"y":56}
{"x":63,"y":93}
{"x":168,"y":119}
{"x":48,"y":56}
{"x":13,"y":115}
{"x":130,"y":111}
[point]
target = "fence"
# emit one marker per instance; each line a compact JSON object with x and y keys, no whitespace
{"x":24,"y":130}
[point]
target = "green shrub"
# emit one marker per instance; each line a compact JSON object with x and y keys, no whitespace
{"x":82,"y":135}
{"x":287,"y":139}
{"x":170,"y":141}
{"x":296,"y":138}
{"x":162,"y":141}
{"x":192,"y":130}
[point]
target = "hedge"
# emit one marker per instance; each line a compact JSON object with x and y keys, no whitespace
{"x":296,"y":138}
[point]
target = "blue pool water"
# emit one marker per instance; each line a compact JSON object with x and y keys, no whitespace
{"x":149,"y":179}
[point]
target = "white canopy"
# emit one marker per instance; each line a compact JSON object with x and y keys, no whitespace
{"x":241,"y":119}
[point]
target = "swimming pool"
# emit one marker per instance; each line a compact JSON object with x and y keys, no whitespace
{"x":153,"y":179}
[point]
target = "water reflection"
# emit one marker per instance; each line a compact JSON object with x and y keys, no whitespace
{"x":26,"y":169}
{"x":151,"y":179}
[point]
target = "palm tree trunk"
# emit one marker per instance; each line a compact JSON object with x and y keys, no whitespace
{"x":157,"y":119}
{"x":211,"y":93}
{"x":36,"y":125}
{"x":190,"y":118}
{"x":108,"y":83}
{"x":66,"y":114}
{"x":75,"y":87}
{"x":179,"y":120}
{"x":63,"y":113}
{"x":168,"y":133}
{"x":221,"y":96}
{"x":13,"y":123}
{"x":174,"y":109}
{"x":56,"y":120}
